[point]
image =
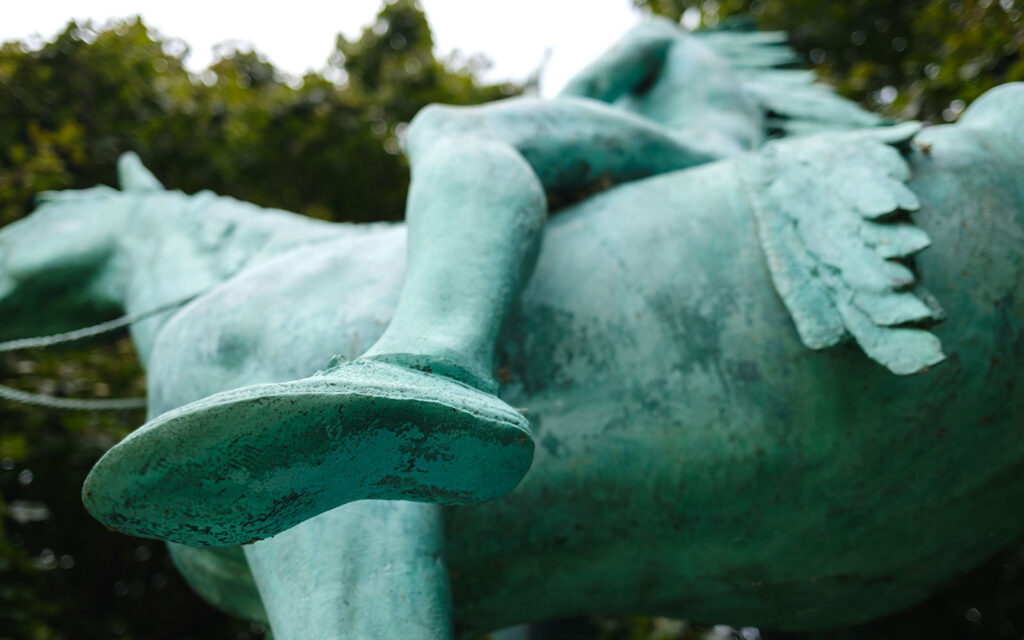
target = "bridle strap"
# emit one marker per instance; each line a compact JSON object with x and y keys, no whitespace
{"x":71,"y":404}
{"x":83,"y":404}
{"x":93,"y":330}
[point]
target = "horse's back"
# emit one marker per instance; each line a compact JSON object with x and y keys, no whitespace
{"x":693,"y":457}
{"x":696,"y":460}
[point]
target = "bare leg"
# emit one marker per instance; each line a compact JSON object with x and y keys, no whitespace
{"x":570,"y":143}
{"x":476,"y":211}
{"x":475,"y":214}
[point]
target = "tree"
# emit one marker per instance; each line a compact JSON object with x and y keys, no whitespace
{"x":326,"y":145}
{"x":919,"y":59}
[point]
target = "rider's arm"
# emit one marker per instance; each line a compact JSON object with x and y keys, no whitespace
{"x":632,"y":62}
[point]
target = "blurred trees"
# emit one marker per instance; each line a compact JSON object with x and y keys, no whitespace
{"x":325,"y":145}
{"x":916,"y":59}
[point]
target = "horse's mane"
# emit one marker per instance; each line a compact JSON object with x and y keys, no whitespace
{"x":227,"y":231}
{"x":75,"y":195}
{"x":793,"y":99}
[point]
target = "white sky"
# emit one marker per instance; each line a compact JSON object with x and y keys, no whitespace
{"x":298,"y":35}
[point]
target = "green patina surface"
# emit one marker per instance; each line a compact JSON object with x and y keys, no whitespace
{"x":706,"y":358}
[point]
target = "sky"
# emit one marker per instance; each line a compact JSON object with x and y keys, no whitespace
{"x":299,"y":34}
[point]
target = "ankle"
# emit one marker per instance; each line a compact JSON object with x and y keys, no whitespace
{"x":475,"y":377}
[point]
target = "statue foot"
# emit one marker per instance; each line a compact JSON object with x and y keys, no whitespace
{"x":245,"y":464}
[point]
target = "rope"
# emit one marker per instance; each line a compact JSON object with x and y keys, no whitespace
{"x":94,"y":330}
{"x":71,"y":404}
{"x":82,"y":404}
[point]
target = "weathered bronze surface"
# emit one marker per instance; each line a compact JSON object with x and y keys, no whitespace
{"x":713,"y":357}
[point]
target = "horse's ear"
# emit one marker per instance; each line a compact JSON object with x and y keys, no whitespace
{"x":135,"y":177}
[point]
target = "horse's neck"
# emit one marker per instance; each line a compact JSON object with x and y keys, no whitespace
{"x":176,"y":246}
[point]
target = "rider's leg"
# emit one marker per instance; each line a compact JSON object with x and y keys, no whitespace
{"x":475,"y":214}
{"x":248,"y":463}
{"x":570,"y":143}
{"x":477,"y":206}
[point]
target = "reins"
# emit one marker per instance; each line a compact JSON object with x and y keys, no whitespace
{"x":82,"y":404}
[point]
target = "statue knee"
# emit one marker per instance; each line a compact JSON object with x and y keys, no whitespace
{"x":438,"y":121}
{"x":1000,"y":110}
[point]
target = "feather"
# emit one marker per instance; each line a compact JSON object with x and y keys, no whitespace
{"x":794,"y":101}
{"x":827,"y":209}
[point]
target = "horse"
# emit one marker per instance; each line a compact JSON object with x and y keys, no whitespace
{"x":694,"y":458}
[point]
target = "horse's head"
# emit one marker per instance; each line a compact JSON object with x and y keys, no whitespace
{"x":59,"y":266}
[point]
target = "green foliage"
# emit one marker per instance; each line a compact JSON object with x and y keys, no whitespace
{"x":326,"y":145}
{"x":919,"y":59}
{"x":62,"y":575}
